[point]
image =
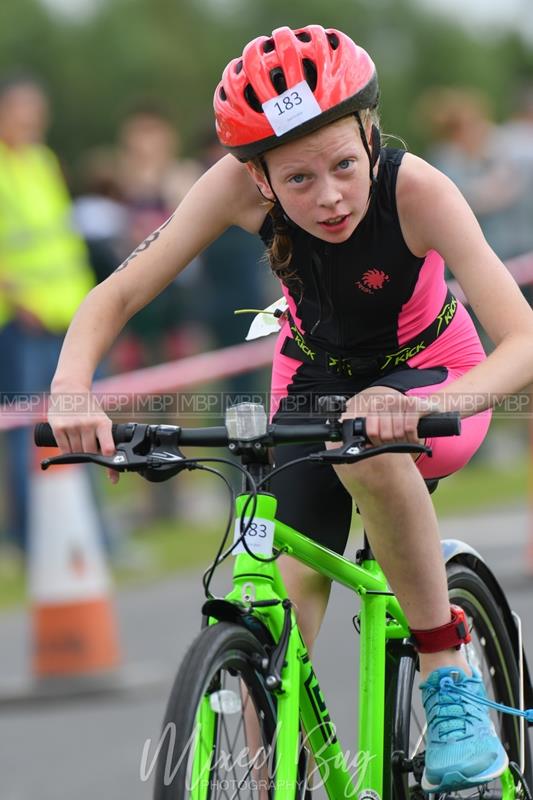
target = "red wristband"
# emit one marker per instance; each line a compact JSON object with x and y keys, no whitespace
{"x":453,"y":634}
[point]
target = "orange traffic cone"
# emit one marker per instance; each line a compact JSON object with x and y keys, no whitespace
{"x":74,"y":631}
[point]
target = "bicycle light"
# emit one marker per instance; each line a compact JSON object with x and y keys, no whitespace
{"x":246,"y":421}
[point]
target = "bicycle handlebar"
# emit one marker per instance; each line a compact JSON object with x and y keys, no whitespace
{"x":431,"y":426}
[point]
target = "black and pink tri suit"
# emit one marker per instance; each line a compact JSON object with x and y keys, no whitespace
{"x":365,"y":312}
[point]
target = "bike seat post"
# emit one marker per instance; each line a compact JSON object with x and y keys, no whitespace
{"x":365,"y":552}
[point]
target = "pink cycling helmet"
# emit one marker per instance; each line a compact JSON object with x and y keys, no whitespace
{"x":341,"y":77}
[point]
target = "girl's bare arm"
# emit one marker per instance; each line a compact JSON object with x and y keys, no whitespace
{"x":434,"y":215}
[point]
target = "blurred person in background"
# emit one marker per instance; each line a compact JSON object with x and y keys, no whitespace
{"x":472,"y":150}
{"x":517,"y":132}
{"x":44,"y":272}
{"x":516,"y":139}
{"x":153,"y":175}
{"x":99,"y":212}
{"x":153,"y":178}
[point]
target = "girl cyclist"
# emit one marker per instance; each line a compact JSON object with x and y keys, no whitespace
{"x":358,"y":235}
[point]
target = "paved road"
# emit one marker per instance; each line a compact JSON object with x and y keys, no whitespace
{"x":92,"y":749}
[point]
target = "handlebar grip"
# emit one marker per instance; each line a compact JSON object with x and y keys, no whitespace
{"x":44,"y":437}
{"x":432,"y":426}
{"x":435,"y":425}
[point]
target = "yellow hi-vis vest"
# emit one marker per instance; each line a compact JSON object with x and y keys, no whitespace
{"x":44,"y":266}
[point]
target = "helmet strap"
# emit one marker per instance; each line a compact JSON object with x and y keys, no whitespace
{"x":373,"y":154}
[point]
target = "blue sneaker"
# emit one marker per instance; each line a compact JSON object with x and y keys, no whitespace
{"x":462,"y":747}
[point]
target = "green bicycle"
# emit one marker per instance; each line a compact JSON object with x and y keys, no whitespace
{"x":246,"y":716}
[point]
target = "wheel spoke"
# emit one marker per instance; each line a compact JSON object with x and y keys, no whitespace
{"x":241,"y":723}
{"x":419,"y":742}
{"x":230,"y":758}
{"x":422,"y":730}
{"x":243,"y":779}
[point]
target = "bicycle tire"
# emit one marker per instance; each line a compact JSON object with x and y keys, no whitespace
{"x":221,"y":657}
{"x":492,"y":653}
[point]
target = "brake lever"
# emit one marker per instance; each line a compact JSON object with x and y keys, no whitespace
{"x":355,"y":451}
{"x":124,"y":458}
{"x":158,"y":464}
{"x":118,"y":462}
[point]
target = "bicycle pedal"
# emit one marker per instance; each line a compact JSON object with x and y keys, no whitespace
{"x":403,"y":764}
{"x":417,"y":766}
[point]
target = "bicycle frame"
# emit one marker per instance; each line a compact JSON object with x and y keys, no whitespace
{"x":300,"y":695}
{"x":258,"y":589}
{"x":299,"y":698}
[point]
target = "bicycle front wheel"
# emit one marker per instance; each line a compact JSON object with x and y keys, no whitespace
{"x":218,"y":734}
{"x":491,"y":653}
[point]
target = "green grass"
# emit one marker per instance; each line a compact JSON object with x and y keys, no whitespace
{"x":480,"y":487}
{"x":169,"y":547}
{"x":12,"y":583}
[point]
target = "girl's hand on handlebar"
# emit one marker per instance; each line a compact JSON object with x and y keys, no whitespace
{"x":79,"y":427}
{"x":390,"y":415}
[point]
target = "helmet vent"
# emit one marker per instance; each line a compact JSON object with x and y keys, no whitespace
{"x":333,"y":40}
{"x":269,"y":46}
{"x":222,"y":94}
{"x":310,"y":73}
{"x":238,"y":67}
{"x":277,"y":76}
{"x":303,"y":36}
{"x":252,"y":99}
